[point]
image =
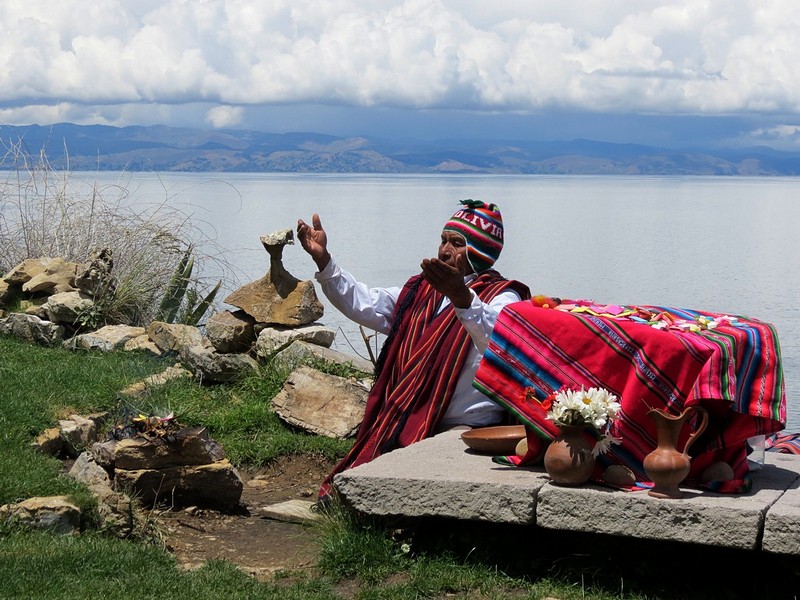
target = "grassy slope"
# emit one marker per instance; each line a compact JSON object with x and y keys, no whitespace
{"x":363,"y":560}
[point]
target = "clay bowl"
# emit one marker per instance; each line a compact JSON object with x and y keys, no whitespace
{"x":500,"y":440}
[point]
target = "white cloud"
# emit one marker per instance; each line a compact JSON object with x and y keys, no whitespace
{"x":224,"y":116}
{"x":653,"y":57}
{"x":780,"y":135}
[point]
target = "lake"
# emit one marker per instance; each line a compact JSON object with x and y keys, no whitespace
{"x":723,"y":244}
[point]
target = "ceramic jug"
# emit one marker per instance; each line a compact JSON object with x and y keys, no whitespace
{"x":666,"y":466}
{"x":568,"y":459}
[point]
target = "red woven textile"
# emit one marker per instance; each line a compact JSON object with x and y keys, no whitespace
{"x":414,"y":389}
{"x":733,"y":371}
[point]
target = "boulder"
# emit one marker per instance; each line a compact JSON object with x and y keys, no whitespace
{"x":278,"y":298}
{"x":58,"y":275}
{"x":86,"y":470}
{"x":7,"y":293}
{"x":116,"y":511}
{"x":104,"y":453}
{"x":49,"y":442}
{"x":140,"y":387}
{"x":142,"y":342}
{"x":37,"y":310}
{"x":322,"y":404}
{"x":26,"y":270}
{"x":301,"y":352}
{"x":273,"y":339}
{"x":53,"y":513}
{"x":191,"y":446}
{"x":231,"y":331}
{"x":67,"y":307}
{"x":95,"y":277}
{"x":210,"y":365}
{"x":175,"y":336}
{"x":32,"y":329}
{"x":216,"y":485}
{"x":110,"y":337}
{"x":78,"y":433}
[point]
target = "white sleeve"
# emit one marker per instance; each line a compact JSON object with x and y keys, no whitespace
{"x":479,"y":317}
{"x":371,"y":307}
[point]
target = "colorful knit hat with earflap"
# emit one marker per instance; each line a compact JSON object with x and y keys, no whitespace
{"x":481,"y":225}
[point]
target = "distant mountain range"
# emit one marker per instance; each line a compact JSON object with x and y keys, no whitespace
{"x":161,"y":148}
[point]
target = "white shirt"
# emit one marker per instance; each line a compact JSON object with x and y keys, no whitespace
{"x":373,"y":308}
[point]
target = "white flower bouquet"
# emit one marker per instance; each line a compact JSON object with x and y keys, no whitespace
{"x":595,"y":408}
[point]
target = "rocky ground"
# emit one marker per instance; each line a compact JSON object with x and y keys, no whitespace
{"x":258,"y":544}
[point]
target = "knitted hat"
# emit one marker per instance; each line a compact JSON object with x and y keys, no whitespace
{"x":481,"y":225}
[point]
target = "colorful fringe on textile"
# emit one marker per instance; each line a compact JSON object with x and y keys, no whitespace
{"x":788,"y":443}
{"x":649,"y":357}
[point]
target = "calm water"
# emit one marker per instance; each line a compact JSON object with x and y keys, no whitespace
{"x":724,"y":244}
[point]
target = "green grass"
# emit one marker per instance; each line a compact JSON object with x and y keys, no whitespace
{"x":361,"y":559}
{"x":41,"y":385}
{"x":44,"y":566}
{"x":240,"y":418}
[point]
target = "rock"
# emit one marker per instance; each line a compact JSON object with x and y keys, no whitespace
{"x":273,"y":339}
{"x":142,"y":342}
{"x":86,"y":470}
{"x":210,"y":365}
{"x":49,"y":442}
{"x":215,"y":485}
{"x":57,"y":274}
{"x":99,"y":418}
{"x":302,"y":352}
{"x":7,"y":293}
{"x":110,"y":337}
{"x":53,"y":513}
{"x":67,"y":307}
{"x":104,"y":453}
{"x":278,"y":298}
{"x":186,"y":447}
{"x":32,"y":329}
{"x":322,"y":404}
{"x":26,"y":270}
{"x":116,"y":511}
{"x":718,"y":471}
{"x":78,"y":433}
{"x":619,"y":476}
{"x":95,"y":277}
{"x":231,"y":331}
{"x":174,"y":336}
{"x":140,"y":387}
{"x":37,"y":310}
{"x":291,"y":511}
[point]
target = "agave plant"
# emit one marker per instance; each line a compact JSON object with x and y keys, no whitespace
{"x":181,"y":301}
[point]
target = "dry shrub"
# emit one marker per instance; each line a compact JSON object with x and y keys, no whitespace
{"x":44,"y":212}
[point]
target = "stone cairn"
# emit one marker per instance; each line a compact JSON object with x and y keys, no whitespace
{"x":274,"y":318}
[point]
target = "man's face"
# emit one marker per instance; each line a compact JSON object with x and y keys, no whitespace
{"x":453,"y":245}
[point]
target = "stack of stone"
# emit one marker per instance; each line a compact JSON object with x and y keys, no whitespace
{"x":53,"y":294}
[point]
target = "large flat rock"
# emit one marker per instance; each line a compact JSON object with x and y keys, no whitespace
{"x":782,"y":526}
{"x":441,"y":477}
{"x":701,"y":517}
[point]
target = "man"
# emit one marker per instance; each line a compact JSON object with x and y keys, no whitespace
{"x":437,"y":326}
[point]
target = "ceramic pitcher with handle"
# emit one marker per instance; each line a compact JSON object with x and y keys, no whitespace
{"x":666,"y":466}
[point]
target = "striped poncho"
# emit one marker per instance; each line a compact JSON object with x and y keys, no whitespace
{"x":423,"y":359}
{"x":649,"y":357}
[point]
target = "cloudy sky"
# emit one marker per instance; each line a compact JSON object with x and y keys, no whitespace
{"x":646,"y":71}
